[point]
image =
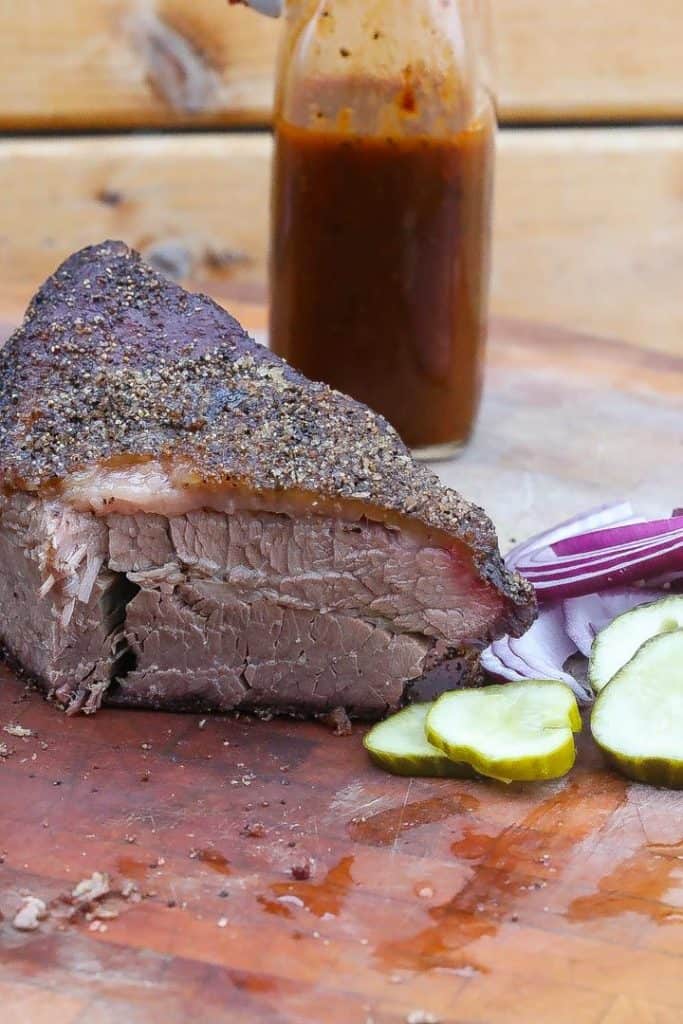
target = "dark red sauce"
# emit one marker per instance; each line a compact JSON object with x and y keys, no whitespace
{"x":379,"y":271}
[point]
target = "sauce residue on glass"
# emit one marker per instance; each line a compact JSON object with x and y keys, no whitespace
{"x":379,"y":270}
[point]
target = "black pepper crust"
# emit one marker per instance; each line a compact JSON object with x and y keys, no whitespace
{"x":114,"y":361}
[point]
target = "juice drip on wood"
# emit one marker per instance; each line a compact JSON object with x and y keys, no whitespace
{"x":215,"y":860}
{"x":131,"y":868}
{"x":472,"y":845}
{"x":275,"y":907}
{"x":320,"y":898}
{"x":648,"y":883}
{"x":384,"y":828}
{"x":507,"y":869}
{"x":257,"y":983}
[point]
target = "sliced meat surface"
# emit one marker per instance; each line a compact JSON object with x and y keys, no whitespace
{"x":187,"y":521}
{"x":257,"y":611}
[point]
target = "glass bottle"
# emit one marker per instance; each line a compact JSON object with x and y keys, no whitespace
{"x":381,"y":208}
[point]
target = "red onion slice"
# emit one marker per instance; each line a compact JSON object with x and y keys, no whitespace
{"x":501,"y":649}
{"x":603,"y":515}
{"x":539,"y":654}
{"x":548,"y":563}
{"x":557,"y":580}
{"x":586,"y":616}
{"x":583,"y":571}
{"x":495,"y":667}
{"x":617,"y":536}
{"x":545,"y":646}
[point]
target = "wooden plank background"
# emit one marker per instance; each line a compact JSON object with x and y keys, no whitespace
{"x":588,"y":228}
{"x":128,"y":63}
{"x":589,"y":220}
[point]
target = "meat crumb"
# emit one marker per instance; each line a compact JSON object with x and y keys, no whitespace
{"x":338,"y":722}
{"x":130,"y":891}
{"x":5,"y":751}
{"x":29,"y":915}
{"x":91,"y":900}
{"x":102,"y":914}
{"x":255,"y":830}
{"x":17,"y":730}
{"x":302,"y":872}
{"x":222,"y":922}
{"x":91,"y":889}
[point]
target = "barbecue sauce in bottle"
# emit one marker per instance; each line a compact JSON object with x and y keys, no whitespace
{"x":384,"y":135}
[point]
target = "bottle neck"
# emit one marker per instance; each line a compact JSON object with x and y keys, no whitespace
{"x":382,"y":68}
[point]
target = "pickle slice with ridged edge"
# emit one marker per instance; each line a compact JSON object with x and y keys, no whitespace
{"x":517,"y":732}
{"x":615,"y":645}
{"x":637,"y":719}
{"x":399,"y":745}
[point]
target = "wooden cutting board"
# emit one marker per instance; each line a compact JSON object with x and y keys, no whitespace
{"x":427,"y":900}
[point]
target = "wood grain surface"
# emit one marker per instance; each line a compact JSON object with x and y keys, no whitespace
{"x":579,"y":60}
{"x":465,"y":903}
{"x":588,"y":225}
{"x":133,"y":63}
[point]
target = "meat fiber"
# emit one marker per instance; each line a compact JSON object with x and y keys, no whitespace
{"x":186,"y":521}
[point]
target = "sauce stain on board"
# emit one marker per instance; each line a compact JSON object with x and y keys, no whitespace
{"x":274,"y":906}
{"x":472,"y":845}
{"x":320,"y":898}
{"x":215,"y":860}
{"x":506,"y":868}
{"x":384,"y":828}
{"x":641,"y":884}
{"x":257,"y":983}
{"x":129,"y":867}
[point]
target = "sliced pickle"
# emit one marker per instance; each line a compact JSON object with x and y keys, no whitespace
{"x":637,"y":719}
{"x":399,"y":745}
{"x":619,"y":641}
{"x":517,"y":732}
